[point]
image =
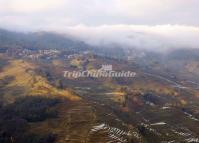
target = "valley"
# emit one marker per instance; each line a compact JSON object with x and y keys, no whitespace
{"x":158,"y":105}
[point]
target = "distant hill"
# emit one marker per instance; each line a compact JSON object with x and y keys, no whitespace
{"x":49,"y":40}
{"x":39,"y":40}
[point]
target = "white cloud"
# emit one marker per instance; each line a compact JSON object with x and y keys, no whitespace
{"x":126,"y":22}
{"x":159,"y":38}
{"x":99,"y":12}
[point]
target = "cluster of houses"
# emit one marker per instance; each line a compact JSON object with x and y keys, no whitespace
{"x":33,"y":54}
{"x":45,"y":54}
{"x":41,"y":53}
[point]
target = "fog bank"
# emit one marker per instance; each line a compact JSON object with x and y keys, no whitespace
{"x":159,"y":38}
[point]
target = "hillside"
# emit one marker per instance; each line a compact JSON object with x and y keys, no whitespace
{"x":39,"y":105}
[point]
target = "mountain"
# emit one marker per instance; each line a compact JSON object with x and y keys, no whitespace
{"x":39,"y":40}
{"x":38,"y":104}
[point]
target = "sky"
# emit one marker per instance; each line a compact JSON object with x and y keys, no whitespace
{"x":149,"y":22}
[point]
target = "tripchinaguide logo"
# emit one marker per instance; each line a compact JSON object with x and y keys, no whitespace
{"x":104,"y":71}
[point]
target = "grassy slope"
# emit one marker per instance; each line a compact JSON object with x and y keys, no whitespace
{"x":23,"y":76}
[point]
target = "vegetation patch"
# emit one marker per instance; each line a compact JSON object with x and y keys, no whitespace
{"x":16,"y":118}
